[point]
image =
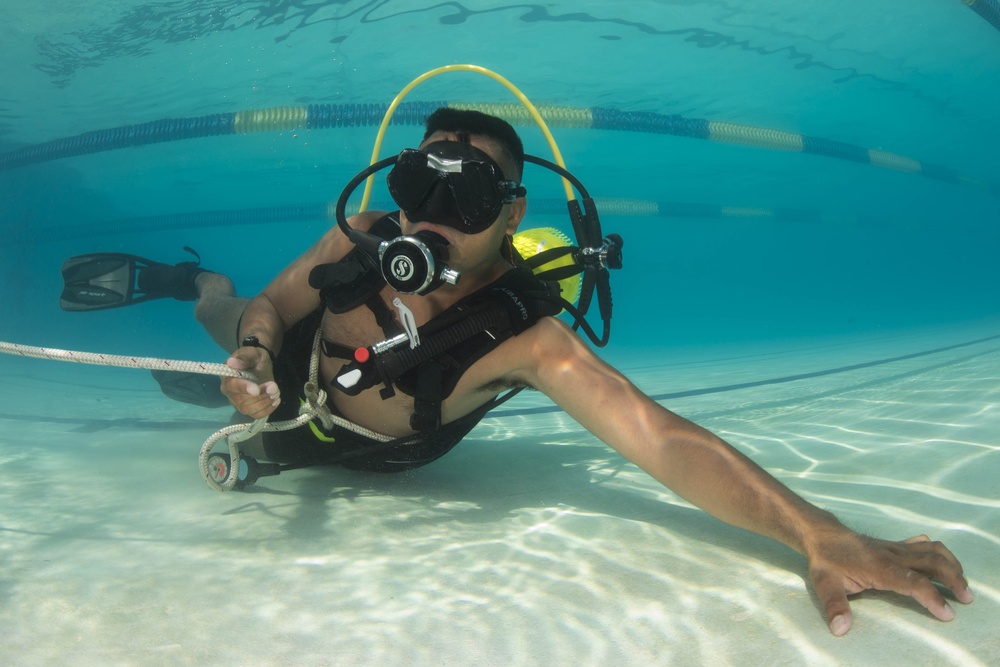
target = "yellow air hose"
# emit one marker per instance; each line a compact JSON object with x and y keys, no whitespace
{"x":532,"y":110}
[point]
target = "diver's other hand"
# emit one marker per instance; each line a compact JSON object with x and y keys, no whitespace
{"x":851,"y":563}
{"x":250,"y":398}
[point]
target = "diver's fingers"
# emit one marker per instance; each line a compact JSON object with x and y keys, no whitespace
{"x":238,"y":362}
{"x":252,"y":399}
{"x":832,"y":596}
{"x":234,"y":387}
{"x":935,"y":561}
{"x":849,"y":563}
{"x":255,"y":406}
{"x":919,"y":587}
{"x":271,"y":389}
{"x":907,"y":568}
{"x":251,"y":358}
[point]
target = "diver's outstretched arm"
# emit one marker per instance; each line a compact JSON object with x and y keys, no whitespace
{"x":713,"y":475}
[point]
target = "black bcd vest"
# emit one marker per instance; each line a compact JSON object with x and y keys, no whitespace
{"x":450,"y":343}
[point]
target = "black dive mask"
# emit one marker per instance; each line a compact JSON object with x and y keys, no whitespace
{"x":452,"y":184}
{"x":459,"y":186}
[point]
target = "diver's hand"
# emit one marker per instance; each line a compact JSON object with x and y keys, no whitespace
{"x":849,"y":563}
{"x":250,"y":398}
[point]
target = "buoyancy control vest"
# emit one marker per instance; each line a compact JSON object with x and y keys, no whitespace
{"x":449,"y":344}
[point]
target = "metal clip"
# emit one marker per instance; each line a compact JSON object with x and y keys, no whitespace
{"x":408,"y":321}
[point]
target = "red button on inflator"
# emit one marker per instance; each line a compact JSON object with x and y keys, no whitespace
{"x":362,"y":355}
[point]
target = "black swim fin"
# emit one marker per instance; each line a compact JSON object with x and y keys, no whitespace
{"x":193,"y":388}
{"x":112,"y":279}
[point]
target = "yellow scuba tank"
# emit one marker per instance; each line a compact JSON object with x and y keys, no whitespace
{"x":531,"y":242}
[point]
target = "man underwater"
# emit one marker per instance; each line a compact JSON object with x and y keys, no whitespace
{"x":469,"y":215}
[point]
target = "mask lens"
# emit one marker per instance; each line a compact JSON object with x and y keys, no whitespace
{"x":476,"y":194}
{"x":411,"y":180}
{"x":446,"y":179}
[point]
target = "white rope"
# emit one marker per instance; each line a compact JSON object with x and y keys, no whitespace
{"x":314,"y":407}
{"x":97,"y":359}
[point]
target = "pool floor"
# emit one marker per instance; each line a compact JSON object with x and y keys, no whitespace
{"x":530,"y":544}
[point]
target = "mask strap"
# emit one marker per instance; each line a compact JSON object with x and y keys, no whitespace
{"x":510,"y":248}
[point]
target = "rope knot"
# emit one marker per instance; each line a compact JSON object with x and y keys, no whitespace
{"x":315,"y":405}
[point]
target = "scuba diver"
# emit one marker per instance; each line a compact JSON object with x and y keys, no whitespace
{"x":419,"y":320}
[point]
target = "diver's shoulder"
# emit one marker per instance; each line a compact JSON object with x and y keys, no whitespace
{"x":364,"y":221}
{"x":334,"y":244}
{"x":551,"y":337}
{"x":542,"y":353}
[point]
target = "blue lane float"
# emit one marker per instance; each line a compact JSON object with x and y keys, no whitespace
{"x":330,"y":116}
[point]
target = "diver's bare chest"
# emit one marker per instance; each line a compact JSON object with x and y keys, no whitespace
{"x":357,"y":329}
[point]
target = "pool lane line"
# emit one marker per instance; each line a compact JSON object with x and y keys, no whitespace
{"x":91,"y":425}
{"x":324,"y":116}
{"x":720,"y":389}
{"x":298,"y":213}
{"x":988,"y":10}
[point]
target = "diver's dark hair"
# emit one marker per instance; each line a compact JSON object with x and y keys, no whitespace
{"x":467,"y":122}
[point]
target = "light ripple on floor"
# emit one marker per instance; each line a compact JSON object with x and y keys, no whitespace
{"x":532,"y":543}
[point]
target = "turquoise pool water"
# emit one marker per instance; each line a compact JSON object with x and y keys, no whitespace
{"x":822,"y":294}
